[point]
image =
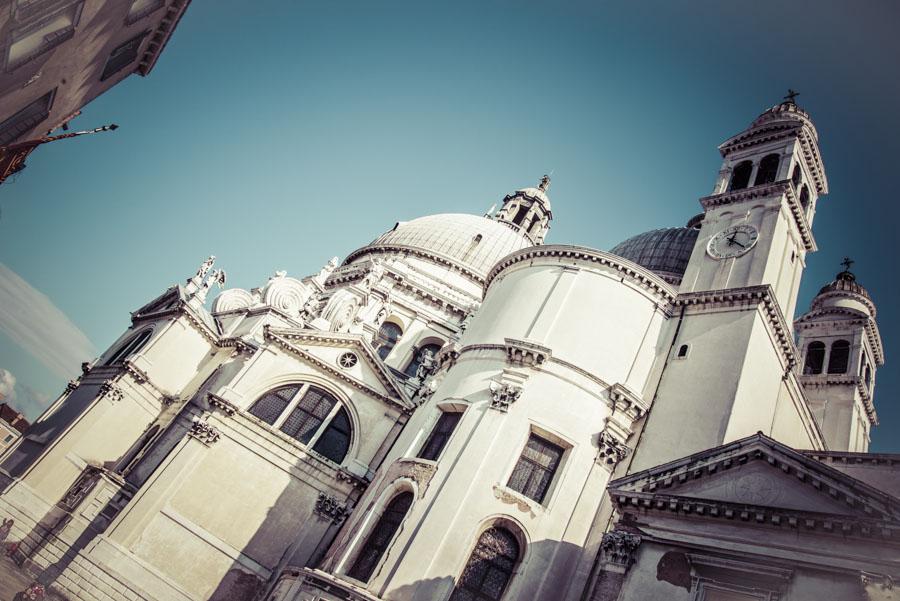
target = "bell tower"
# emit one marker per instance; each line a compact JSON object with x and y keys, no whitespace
{"x":757,"y":223}
{"x":841,"y":350}
{"x":528,"y":211}
{"x":730,"y":371}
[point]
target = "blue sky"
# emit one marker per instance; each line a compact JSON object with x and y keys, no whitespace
{"x":278,"y":134}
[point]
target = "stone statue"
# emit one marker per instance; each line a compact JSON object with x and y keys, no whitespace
{"x":374,"y":276}
{"x":205,"y":267}
{"x":427,"y":366}
{"x":310,"y":309}
{"x":326,"y":270}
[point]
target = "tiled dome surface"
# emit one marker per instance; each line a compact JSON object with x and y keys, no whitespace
{"x":454,"y":236}
{"x":665,"y":252}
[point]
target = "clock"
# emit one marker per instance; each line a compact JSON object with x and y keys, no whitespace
{"x":732,"y":242}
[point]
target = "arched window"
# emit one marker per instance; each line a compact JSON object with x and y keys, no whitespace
{"x":796,"y":175}
{"x":868,"y":377}
{"x":380,"y":538}
{"x":839,"y":358}
{"x":388,"y":335}
{"x":740,"y":177}
{"x":133,"y":345}
{"x":768,"y":169}
{"x":682,"y":351}
{"x":490,"y":567}
{"x":310,"y":415}
{"x":419,"y":356}
{"x":520,"y":214}
{"x":804,"y":197}
{"x":815,"y":358}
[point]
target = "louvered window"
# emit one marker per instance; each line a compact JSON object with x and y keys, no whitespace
{"x":380,"y":538}
{"x":490,"y":567}
{"x":535,"y":469}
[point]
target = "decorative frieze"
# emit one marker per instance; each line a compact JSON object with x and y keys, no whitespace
{"x":330,"y":508}
{"x":203,"y":431}
{"x":619,"y":548}
{"x":525,"y":353}
{"x":611,"y":451}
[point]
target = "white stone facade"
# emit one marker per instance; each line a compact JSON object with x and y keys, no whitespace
{"x":442,"y":415}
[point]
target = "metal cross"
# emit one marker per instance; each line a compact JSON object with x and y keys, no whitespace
{"x":791,"y":95}
{"x":847,"y":263}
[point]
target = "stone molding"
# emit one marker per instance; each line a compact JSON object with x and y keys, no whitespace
{"x":783,"y":187}
{"x":645,"y":279}
{"x":510,"y":497}
{"x":506,"y":388}
{"x":526,"y":353}
{"x":619,"y":548}
{"x":418,"y":470}
{"x":611,"y":450}
{"x":203,"y":431}
{"x":330,"y":508}
{"x":221,"y":404}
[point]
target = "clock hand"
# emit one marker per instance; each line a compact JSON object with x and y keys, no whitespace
{"x":738,"y":243}
{"x":731,"y":240}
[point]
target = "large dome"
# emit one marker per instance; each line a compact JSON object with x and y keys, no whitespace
{"x":469,"y":241}
{"x":665,"y":251}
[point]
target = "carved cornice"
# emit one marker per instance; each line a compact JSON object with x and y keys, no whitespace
{"x":785,"y":188}
{"x":217,"y":402}
{"x":762,"y":297}
{"x":160,"y":36}
{"x":628,"y":402}
{"x":283,"y":339}
{"x":419,"y":252}
{"x":654,"y":285}
{"x":526,"y":353}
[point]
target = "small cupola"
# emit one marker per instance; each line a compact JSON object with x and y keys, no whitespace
{"x":528,"y":211}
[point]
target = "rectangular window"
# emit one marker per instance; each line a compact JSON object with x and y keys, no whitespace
{"x":26,"y":119}
{"x":535,"y":469}
{"x":439,"y":436}
{"x":36,"y":38}
{"x":141,"y":8}
{"x":8,"y":438}
{"x":122,"y":56}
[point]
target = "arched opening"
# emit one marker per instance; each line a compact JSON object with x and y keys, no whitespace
{"x":815,"y":358}
{"x":520,"y":214}
{"x":868,"y":378}
{"x":131,"y":346}
{"x":388,"y":335}
{"x":768,"y":169}
{"x":419,"y":357}
{"x":310,"y":415}
{"x":797,"y":175}
{"x":839,"y":358}
{"x":682,"y":351}
{"x":804,"y":197}
{"x":740,"y":176}
{"x":490,"y":567}
{"x":440,"y":435}
{"x":381,"y":537}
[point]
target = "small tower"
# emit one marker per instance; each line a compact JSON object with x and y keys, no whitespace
{"x":528,"y":211}
{"x":841,"y":350}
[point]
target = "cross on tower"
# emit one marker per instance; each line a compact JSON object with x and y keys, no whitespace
{"x":847,"y":263}
{"x":791,"y":95}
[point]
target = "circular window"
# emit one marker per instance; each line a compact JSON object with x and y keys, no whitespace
{"x":348,"y":360}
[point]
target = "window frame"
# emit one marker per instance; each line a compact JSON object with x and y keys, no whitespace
{"x":46,"y":100}
{"x":557,"y":474}
{"x":31,"y":26}
{"x":377,"y":338}
{"x":846,"y":347}
{"x":443,"y":412}
{"x":139,"y":38}
{"x":296,"y":398}
{"x":375,"y":522}
{"x":807,"y":371}
{"x":515,"y":532}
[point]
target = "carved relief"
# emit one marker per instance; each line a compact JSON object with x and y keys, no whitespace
{"x":288,"y":295}
{"x":109,"y":389}
{"x":504,"y":394}
{"x":618,"y":548}
{"x":203,"y":431}
{"x":611,"y":451}
{"x":232,"y":300}
{"x":756,"y":489}
{"x":507,"y":496}
{"x":330,"y":508}
{"x":420,"y":472}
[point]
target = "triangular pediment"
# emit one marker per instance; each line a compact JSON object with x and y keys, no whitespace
{"x":166,"y":301}
{"x":760,"y":472}
{"x":326,"y":351}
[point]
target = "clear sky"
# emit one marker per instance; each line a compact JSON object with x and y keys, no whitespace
{"x":278,"y":134}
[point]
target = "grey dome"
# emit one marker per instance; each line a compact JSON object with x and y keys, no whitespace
{"x":665,"y":251}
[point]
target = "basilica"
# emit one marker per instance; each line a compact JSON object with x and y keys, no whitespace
{"x":460,"y":411}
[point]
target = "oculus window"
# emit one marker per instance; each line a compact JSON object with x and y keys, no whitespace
{"x":309,"y":415}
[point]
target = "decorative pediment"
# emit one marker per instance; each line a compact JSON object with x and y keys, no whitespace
{"x":763,"y":480}
{"x":164,"y":303}
{"x":346,"y":357}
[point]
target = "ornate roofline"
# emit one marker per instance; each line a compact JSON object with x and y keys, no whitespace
{"x":784,"y":187}
{"x":160,"y":36}
{"x":283,"y":339}
{"x":644,"y":278}
{"x":759,"y":447}
{"x":778,"y":129}
{"x":870,"y":325}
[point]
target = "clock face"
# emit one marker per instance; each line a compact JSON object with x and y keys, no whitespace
{"x":732,"y":242}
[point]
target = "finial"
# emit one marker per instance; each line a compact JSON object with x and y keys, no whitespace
{"x":791,"y":95}
{"x":847,"y":263}
{"x":545,"y":184}
{"x":490,"y":212}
